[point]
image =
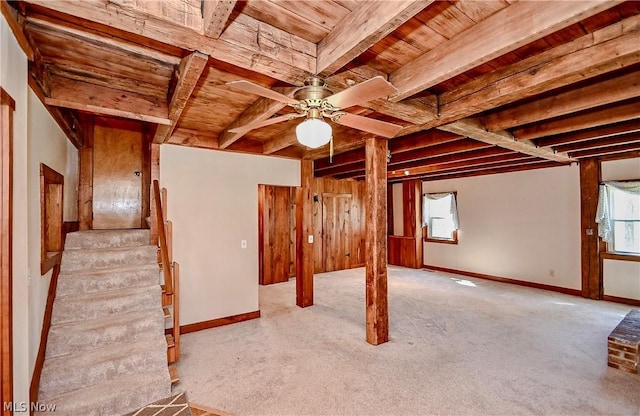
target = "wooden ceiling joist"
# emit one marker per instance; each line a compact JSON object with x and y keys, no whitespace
{"x":106,"y":101}
{"x":188,"y":73}
{"x":215,"y":14}
{"x":620,"y":149}
{"x":361,"y":29}
{"x":589,"y":134}
{"x":473,"y":129}
{"x":600,"y":143}
{"x":537,"y":164}
{"x":500,"y":33}
{"x":629,"y":110}
{"x":16,"y":24}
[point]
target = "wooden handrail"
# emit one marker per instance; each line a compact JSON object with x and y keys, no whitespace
{"x":162,"y":240}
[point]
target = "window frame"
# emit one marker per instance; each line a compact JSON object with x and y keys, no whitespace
{"x":425,"y":228}
{"x":616,"y":254}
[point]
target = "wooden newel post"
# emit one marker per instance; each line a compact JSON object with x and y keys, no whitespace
{"x":304,"y":229}
{"x":376,"y":240}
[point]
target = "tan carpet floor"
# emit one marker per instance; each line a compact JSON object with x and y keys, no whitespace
{"x":459,"y":346}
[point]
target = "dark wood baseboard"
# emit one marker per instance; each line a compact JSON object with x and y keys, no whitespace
{"x":199,"y":326}
{"x":574,"y":292}
{"x":44,"y":335}
{"x":626,"y":301}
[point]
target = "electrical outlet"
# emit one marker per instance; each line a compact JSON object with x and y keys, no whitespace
{"x":310,"y":239}
{"x":243,"y":243}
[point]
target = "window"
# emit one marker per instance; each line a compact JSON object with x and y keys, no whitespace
{"x":51,"y":183}
{"x":618,"y":216}
{"x":440,"y":217}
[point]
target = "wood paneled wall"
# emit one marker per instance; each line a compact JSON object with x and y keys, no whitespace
{"x":338,"y":218}
{"x":407,"y":250}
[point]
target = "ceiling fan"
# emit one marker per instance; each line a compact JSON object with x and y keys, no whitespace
{"x":314,"y":100}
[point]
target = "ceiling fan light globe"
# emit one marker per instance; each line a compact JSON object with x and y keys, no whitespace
{"x":313,"y":133}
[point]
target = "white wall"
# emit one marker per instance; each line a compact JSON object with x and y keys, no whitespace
{"x":36,"y":139}
{"x":49,"y":145}
{"x":621,"y":278}
{"x":13,"y":78}
{"x":213,"y":204}
{"x":398,"y":209}
{"x":519,"y":225}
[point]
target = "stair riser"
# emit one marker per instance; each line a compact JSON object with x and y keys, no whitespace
{"x":75,"y":260}
{"x":72,"y":310}
{"x":63,"y":376}
{"x":61,"y":341}
{"x":106,"y":239}
{"x":75,"y":284}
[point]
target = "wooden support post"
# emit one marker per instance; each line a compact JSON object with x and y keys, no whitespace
{"x":412,"y":197}
{"x":592,"y":285}
{"x":376,"y":240}
{"x":304,"y":229}
{"x":85,"y":178}
{"x":155,"y":176}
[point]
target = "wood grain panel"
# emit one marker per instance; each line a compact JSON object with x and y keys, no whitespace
{"x":592,"y":282}
{"x":274,"y":232}
{"x":117,"y":190}
{"x":336,"y":212}
{"x":402,"y":251}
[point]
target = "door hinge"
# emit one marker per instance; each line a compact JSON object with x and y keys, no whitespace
{"x":348,"y":211}
{"x":348,"y":255}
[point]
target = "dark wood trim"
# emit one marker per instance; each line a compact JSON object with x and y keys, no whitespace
{"x":426,"y":237}
{"x":213,"y":323}
{"x":7,"y":106}
{"x":626,"y":301}
{"x":44,"y":335}
{"x":304,"y":229}
{"x":591,"y":246}
{"x":622,"y":257}
{"x":51,"y":214}
{"x":389,"y":210}
{"x":377,"y":311}
{"x":565,"y":290}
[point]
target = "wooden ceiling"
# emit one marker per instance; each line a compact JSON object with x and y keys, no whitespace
{"x":483,"y":86}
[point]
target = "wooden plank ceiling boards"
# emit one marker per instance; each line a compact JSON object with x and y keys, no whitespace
{"x":482,"y":86}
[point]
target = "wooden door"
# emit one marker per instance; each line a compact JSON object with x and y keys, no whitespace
{"x":336,"y":223}
{"x":276,"y":234}
{"x":117,"y":175}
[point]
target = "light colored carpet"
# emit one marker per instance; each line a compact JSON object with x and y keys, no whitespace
{"x":106,"y":350}
{"x":459,"y":346}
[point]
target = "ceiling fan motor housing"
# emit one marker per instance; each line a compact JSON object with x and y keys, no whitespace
{"x":313,"y":95}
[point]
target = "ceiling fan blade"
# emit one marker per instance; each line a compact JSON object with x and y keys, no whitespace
{"x":368,"y":90}
{"x":371,"y":125}
{"x":262,"y":91}
{"x":267,"y":122}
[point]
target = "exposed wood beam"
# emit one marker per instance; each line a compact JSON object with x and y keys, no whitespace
{"x":481,"y":163}
{"x":188,"y":74}
{"x":474,"y":130}
{"x":377,"y":311}
{"x":623,"y":148}
{"x":607,"y":49}
{"x":589,"y":134}
{"x":304,"y":231}
{"x":262,"y":109}
{"x":468,"y":155}
{"x":65,"y":118}
{"x":504,"y":31}
{"x":606,"y":92}
{"x":361,"y":29}
{"x":194,"y":138}
{"x":246,"y":42}
{"x":587,"y":119}
{"x":450,"y":148}
{"x":339,"y":146}
{"x":282,"y":140}
{"x":100,"y":100}
{"x":16,"y":23}
{"x":215,"y":14}
{"x":600,"y":143}
{"x":492,"y":171}
{"x":415,"y":111}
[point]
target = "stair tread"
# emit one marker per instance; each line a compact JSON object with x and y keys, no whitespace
{"x":151,"y":266}
{"x":125,"y":394}
{"x":111,"y":293}
{"x":82,"y":368}
{"x":104,"y":330}
{"x":103,"y":238}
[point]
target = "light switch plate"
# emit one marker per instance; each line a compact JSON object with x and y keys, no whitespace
{"x":243,"y":244}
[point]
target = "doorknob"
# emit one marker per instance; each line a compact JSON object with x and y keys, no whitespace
{"x":137,"y":173}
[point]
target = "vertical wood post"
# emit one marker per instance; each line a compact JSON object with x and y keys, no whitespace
{"x":304,"y":229}
{"x":376,"y":240}
{"x":155,"y":176}
{"x":85,"y":179}
{"x":592,"y":285}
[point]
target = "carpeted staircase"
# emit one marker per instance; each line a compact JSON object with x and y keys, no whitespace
{"x":106,"y":351}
